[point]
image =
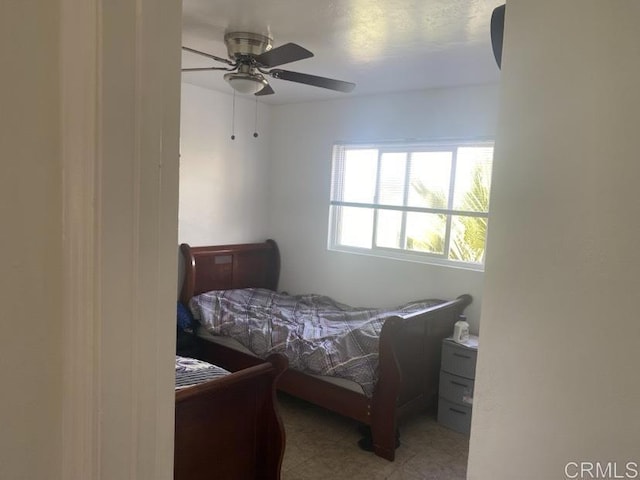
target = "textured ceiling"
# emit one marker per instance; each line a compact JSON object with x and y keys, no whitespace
{"x":381,"y":45}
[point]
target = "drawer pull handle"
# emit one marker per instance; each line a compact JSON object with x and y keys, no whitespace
{"x":457,"y":383}
{"x":457,"y":411}
{"x":461,"y":355}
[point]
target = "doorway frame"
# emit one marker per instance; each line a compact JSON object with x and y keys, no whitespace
{"x":120,"y":108}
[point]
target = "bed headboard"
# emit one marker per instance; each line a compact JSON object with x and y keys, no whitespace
{"x":224,"y":267}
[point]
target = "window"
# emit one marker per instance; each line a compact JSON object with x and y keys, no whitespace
{"x":421,"y":202}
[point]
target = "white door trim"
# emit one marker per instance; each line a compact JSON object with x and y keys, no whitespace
{"x":79,"y":97}
{"x":120,"y":88}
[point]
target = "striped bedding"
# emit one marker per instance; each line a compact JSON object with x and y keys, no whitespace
{"x":190,"y":372}
{"x":317,"y":334}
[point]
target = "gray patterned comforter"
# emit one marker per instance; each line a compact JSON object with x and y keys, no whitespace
{"x":190,"y":372}
{"x":317,"y":334}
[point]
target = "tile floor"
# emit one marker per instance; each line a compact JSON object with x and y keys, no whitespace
{"x":323,"y":446}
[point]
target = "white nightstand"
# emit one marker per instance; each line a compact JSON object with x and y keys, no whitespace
{"x":457,"y":375}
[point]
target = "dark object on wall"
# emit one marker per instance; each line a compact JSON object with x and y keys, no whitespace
{"x":497,"y":32}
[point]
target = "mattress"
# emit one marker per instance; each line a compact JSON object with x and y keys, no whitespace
{"x":317,"y":334}
{"x":191,"y":372}
{"x":235,"y":345}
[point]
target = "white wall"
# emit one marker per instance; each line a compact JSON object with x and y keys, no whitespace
{"x":302,"y":138}
{"x":557,"y":377}
{"x":30,"y":242}
{"x":223,"y":182}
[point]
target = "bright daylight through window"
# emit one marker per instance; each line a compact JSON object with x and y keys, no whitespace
{"x":421,"y":202}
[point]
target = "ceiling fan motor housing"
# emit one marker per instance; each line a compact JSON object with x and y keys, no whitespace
{"x":241,"y":44}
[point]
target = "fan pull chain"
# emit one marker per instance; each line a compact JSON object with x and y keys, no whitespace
{"x":233,"y":117}
{"x":255,"y":128}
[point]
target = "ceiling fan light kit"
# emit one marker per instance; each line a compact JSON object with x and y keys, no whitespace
{"x":251,"y":54}
{"x":246,"y":83}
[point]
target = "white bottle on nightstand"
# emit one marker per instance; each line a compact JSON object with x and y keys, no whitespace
{"x":461,"y":330}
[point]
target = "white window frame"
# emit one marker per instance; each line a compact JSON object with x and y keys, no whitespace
{"x":401,"y":254}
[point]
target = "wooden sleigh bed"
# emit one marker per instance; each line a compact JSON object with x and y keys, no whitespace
{"x":409,"y":348}
{"x":229,"y":428}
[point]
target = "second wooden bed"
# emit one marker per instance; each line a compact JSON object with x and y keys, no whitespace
{"x":229,"y":428}
{"x":409,"y":348}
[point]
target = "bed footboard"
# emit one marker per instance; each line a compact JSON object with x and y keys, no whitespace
{"x":230,"y":427}
{"x":409,"y":365}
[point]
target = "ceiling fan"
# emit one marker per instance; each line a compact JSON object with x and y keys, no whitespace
{"x":251,"y":58}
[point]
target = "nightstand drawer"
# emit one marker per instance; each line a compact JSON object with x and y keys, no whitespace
{"x":454,"y":416}
{"x":458,"y":360}
{"x":456,"y":389}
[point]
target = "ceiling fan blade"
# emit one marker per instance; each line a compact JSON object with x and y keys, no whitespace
{"x":267,"y":90}
{"x":202,"y":69}
{"x":313,"y":80}
{"x":289,"y":52}
{"x":208,"y":55}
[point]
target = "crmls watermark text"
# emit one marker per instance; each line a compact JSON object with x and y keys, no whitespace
{"x":601,"y":470}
